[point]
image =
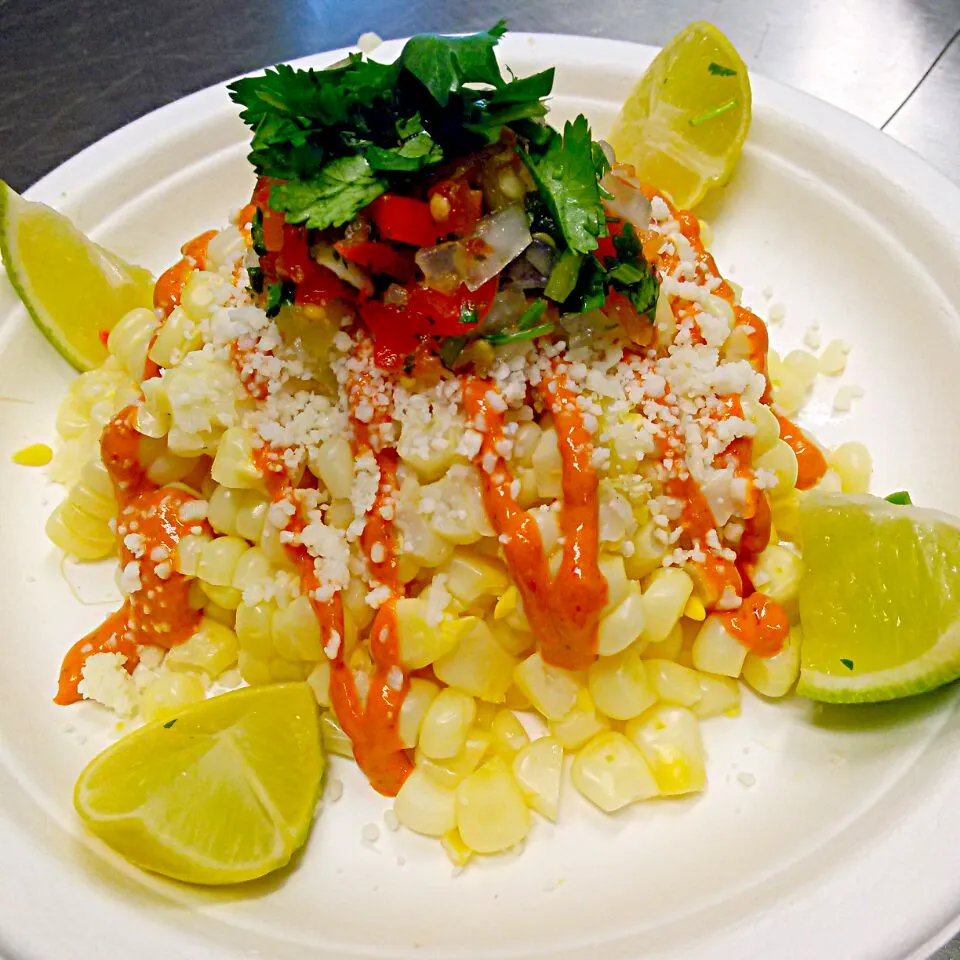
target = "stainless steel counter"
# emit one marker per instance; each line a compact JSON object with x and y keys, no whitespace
{"x":73,"y":70}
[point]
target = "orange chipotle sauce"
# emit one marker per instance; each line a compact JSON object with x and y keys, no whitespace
{"x":811,"y":463}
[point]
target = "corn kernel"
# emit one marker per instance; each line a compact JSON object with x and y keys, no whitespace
{"x":212,"y":648}
{"x":775,"y":676}
{"x":296,"y":631}
{"x":718,"y":695}
{"x":612,"y":773}
{"x":623,"y":625}
{"x":163,"y":697}
{"x":471,"y":576}
{"x":334,"y":739}
{"x":619,"y":685}
{"x":452,"y":843}
{"x":478,"y":665}
{"x":669,"y":648}
{"x":420,"y":642}
{"x":319,"y":681}
{"x":452,"y":771}
{"x":34,"y":455}
{"x":673,"y":683}
{"x":420,"y":695}
{"x":508,"y":735}
{"x":853,"y":464}
{"x":669,"y":739}
{"x":716,"y":650}
{"x":778,"y":573}
{"x":782,"y":462}
{"x":446,"y":724}
{"x":491,"y":813}
{"x":538,"y":769}
{"x":664,"y":599}
{"x":580,"y":724}
{"x":695,"y":610}
{"x":552,"y":691}
{"x":425,"y":806}
{"x":507,"y":603}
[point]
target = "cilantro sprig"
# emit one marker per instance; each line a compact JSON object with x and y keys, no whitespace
{"x":342,"y":136}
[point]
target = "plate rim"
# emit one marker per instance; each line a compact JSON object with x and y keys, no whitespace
{"x":896,"y":162}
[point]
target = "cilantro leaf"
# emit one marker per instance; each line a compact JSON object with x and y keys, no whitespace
{"x":414,"y":154}
{"x":901,"y":498}
{"x":719,"y":70}
{"x":444,"y":64}
{"x":279,"y":295}
{"x":169,"y":723}
{"x":566,"y":175}
{"x":256,"y":233}
{"x":847,"y":663}
{"x":331,"y":198}
{"x":590,"y":292}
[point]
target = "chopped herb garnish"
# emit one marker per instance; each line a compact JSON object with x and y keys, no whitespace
{"x":256,"y":233}
{"x":847,"y":663}
{"x":469,"y":313}
{"x":279,"y":295}
{"x":901,"y":498}
{"x":256,"y":279}
{"x":342,"y":136}
{"x":563,"y":276}
{"x":719,"y":70}
{"x":499,"y":339}
{"x":567,"y":173}
{"x":450,"y":350}
{"x":169,"y":723}
{"x":715,"y":112}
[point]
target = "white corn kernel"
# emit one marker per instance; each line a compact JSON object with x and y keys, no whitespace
{"x":446,"y":724}
{"x":716,"y":650}
{"x":212,"y":648}
{"x":673,"y":683}
{"x":420,"y":642}
{"x":669,"y":739}
{"x":580,"y":724}
{"x":612,"y":773}
{"x":419,"y":696}
{"x":775,"y":676}
{"x":219,"y":559}
{"x":782,"y":461}
{"x":491,"y":813}
{"x":778,"y":573}
{"x":424,"y":806}
{"x":508,"y":736}
{"x":538,"y":770}
{"x":619,"y":685}
{"x":718,"y":695}
{"x":623,"y":625}
{"x":552,"y":691}
{"x":664,"y":599}
{"x":455,"y":769}
{"x":854,"y":465}
{"x":163,"y":697}
{"x":478,"y":665}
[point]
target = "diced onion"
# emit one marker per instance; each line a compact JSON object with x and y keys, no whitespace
{"x":504,"y":235}
{"x":628,"y":200}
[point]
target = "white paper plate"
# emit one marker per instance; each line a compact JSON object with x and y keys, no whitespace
{"x":823,"y":834}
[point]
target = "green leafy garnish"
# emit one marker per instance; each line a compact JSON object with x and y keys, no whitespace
{"x":847,"y":663}
{"x":708,"y":115}
{"x":719,"y":70}
{"x":567,"y":174}
{"x":256,"y":233}
{"x":340,"y":137}
{"x":901,"y":498}
{"x":630,"y":274}
{"x":527,"y":326}
{"x":169,"y":723}
{"x":331,"y":198}
{"x":279,"y":295}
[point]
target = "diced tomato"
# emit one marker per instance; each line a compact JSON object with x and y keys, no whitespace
{"x":294,"y":260}
{"x":605,"y":247}
{"x":320,"y":286}
{"x":273,"y":220}
{"x":378,"y":258}
{"x":394,"y":338}
{"x":466,"y":206}
{"x":404,"y":220}
{"x":442,"y":314}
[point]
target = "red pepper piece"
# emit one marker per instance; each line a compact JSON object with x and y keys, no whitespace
{"x":378,"y":258}
{"x":404,"y":220}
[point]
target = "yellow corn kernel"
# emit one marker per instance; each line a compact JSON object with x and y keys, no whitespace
{"x":420,"y":642}
{"x":718,"y":695}
{"x":507,"y":603}
{"x":222,"y":509}
{"x":785,"y":514}
{"x":478,"y":665}
{"x":415,"y":704}
{"x":548,"y":466}
{"x":716,"y":650}
{"x":453,"y":846}
{"x":612,"y":773}
{"x":288,"y":671}
{"x":296,"y":631}
{"x":778,"y":573}
{"x":782,"y":462}
{"x":491,"y":813}
{"x":332,"y":463}
{"x":446,"y":724}
{"x":34,"y":455}
{"x":254,"y":670}
{"x":853,"y":464}
{"x":508,"y":736}
{"x":552,"y":691}
{"x":517,"y":699}
{"x":580,"y":724}
{"x":516,"y":642}
{"x":334,"y":739}
{"x":619,"y":685}
{"x":253,"y":569}
{"x":673,"y":683}
{"x":254,"y":628}
{"x":452,"y":771}
{"x":188,"y":552}
{"x":618,"y":584}
{"x":830,"y":482}
{"x":233,"y":464}
{"x":695,"y":610}
{"x":163,"y":697}
{"x":221,"y":615}
{"x":486,"y":714}
{"x":226,"y":597}
{"x":538,"y":770}
{"x":775,"y":676}
{"x":212,"y":648}
{"x":251,"y":515}
{"x":426,"y":806}
{"x":319,"y":680}
{"x":219,"y":558}
{"x":669,"y":648}
{"x":623,"y":625}
{"x":664,"y":599}
{"x":669,"y":739}
{"x":647,"y":553}
{"x":768,"y":427}
{"x":471,"y":576}
{"x":789,"y":390}
{"x":803,"y":364}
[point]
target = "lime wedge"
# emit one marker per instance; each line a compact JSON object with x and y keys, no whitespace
{"x":72,"y":288}
{"x":221,"y":793}
{"x":683,"y":125}
{"x":880,"y":599}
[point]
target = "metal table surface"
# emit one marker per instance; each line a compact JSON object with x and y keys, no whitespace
{"x":73,"y":70}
